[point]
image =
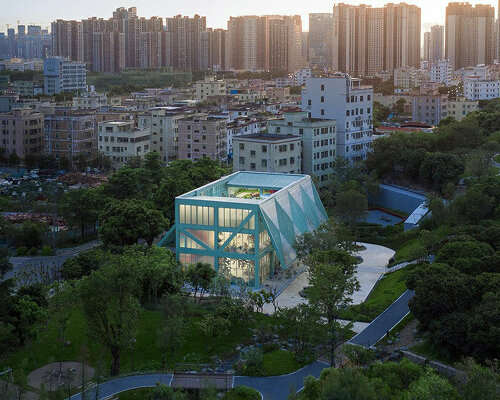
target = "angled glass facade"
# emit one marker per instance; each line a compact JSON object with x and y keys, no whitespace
{"x":245,"y":224}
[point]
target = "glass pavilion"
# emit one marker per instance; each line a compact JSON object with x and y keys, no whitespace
{"x":245,"y":224}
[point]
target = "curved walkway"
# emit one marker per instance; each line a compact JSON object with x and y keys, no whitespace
{"x":271,"y":387}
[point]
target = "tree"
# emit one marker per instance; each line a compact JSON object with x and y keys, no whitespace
{"x":440,"y":168}
{"x":431,"y":387}
{"x":30,"y":161}
{"x":111,"y":307}
{"x":29,"y":235}
{"x":171,"y":336}
{"x":13,"y":160}
{"x":125,"y":222}
{"x":64,"y":163}
{"x":31,"y":315}
{"x":161,"y":392}
{"x":129,"y":183}
{"x":358,"y":355}
{"x":347,"y":384}
{"x":351,"y":207}
{"x":478,"y":164}
{"x":81,"y":207}
{"x":213,"y":328}
{"x":482,"y":383}
{"x":61,"y":305}
{"x":153,"y":163}
{"x":84,"y":263}
{"x":200,"y":276}
{"x":452,"y":251}
{"x":332,"y":282}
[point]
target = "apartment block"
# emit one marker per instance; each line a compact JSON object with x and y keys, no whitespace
{"x":470,"y":34}
{"x":436,"y":44}
{"x":201,"y":136}
{"x":459,"y":108}
{"x":22,"y":132}
{"x":441,"y":72}
{"x":185,"y":35}
{"x":478,"y":88}
{"x":90,"y":101}
{"x":318,"y":139}
{"x":264,"y":152}
{"x":428,"y":106}
{"x":369,"y":40}
{"x":163,"y":125}
{"x":209,"y":87}
{"x":348,"y":102}
{"x":70,"y":133}
{"x":242,"y":126}
{"x":121,"y":141}
{"x":320,"y":47}
{"x":62,"y":75}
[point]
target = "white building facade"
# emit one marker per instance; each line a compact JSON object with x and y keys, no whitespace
{"x":345,"y":100}
{"x":62,"y":75}
{"x":477,"y":88}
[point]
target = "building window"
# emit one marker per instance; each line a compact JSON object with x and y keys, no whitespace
{"x":322,"y":112}
{"x":322,"y":88}
{"x":264,"y":149}
{"x":264,"y":163}
{"x":252,"y":166}
{"x":242,"y":146}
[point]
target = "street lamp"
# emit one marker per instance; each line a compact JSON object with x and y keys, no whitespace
{"x":133,"y":347}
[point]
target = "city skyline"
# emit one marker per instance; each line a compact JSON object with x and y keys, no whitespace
{"x":43,"y":13}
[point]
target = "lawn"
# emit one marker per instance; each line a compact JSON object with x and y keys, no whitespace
{"x":136,"y":394}
{"x":279,"y":362}
{"x":497,"y":158}
{"x":385,"y":292}
{"x":406,"y":251}
{"x":146,"y":354}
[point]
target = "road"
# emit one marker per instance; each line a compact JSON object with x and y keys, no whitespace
{"x":272,"y":387}
{"x":54,"y":262}
{"x":384,"y":322}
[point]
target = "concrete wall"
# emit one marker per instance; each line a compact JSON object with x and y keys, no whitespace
{"x":397,"y":199}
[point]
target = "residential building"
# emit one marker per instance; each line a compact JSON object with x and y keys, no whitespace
{"x":28,"y":88}
{"x":459,"y":108}
{"x":301,"y":76}
{"x":22,"y":132}
{"x":265,"y":152}
{"x":369,"y":40}
{"x":318,"y":138}
{"x":163,"y":125}
{"x":245,"y":224}
{"x":436,"y":44}
{"x":121,"y":141}
{"x":429,"y":106}
{"x":62,"y":75}
{"x":405,"y":78}
{"x":343,"y":99}
{"x":320,"y":43}
{"x":209,"y":87}
{"x":67,"y":40}
{"x":69,"y":133}
{"x":242,"y":126}
{"x":90,"y":101}
{"x":470,"y":34}
{"x":441,"y":72}
{"x":185,"y":37}
{"x":201,"y":136}
{"x":477,"y":88}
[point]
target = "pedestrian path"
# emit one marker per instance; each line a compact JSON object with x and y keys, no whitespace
{"x":379,"y":327}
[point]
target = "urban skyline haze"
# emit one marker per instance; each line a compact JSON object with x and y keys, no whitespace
{"x":216,"y":11}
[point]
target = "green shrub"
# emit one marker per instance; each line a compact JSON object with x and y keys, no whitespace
{"x":268,"y":347}
{"x":33,"y":251}
{"x":47,"y":251}
{"x":21,"y":251}
{"x":242,"y":393}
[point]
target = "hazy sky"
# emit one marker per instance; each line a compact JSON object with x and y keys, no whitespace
{"x":217,"y":11}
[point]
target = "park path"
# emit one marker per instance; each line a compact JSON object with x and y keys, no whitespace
{"x":379,"y":327}
{"x":271,"y":387}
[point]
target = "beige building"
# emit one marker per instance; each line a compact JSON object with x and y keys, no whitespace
{"x":209,"y":87}
{"x":459,"y":108}
{"x":22,"y":132}
{"x":202,"y":136}
{"x":265,"y":152}
{"x":470,"y":34}
{"x":121,"y":141}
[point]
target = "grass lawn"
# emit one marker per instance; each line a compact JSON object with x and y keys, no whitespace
{"x":146,"y":355}
{"x":497,"y":158}
{"x":427,"y":350}
{"x":406,"y":251}
{"x":385,"y":292}
{"x":279,"y":362}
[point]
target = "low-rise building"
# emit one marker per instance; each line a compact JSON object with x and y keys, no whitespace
{"x":318,"y":137}
{"x":121,"y":141}
{"x":441,"y":72}
{"x":478,"y":88}
{"x":22,"y":132}
{"x":265,"y":152}
{"x":429,"y":106}
{"x":242,"y":126}
{"x":209,"y":87}
{"x":90,"y":101}
{"x":201,"y":136}
{"x":69,"y":133}
{"x":63,"y":75}
{"x":28,"y":88}
{"x":245,"y":224}
{"x":459,"y":108}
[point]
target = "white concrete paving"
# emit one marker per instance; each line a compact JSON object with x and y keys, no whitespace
{"x":375,"y":259}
